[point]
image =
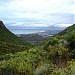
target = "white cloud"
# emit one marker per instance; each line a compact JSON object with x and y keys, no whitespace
{"x":49,"y":11}
{"x":28,"y":15}
{"x":31,"y":24}
{"x":64,"y":25}
{"x":48,"y":6}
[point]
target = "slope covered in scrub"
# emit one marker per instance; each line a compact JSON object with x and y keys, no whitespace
{"x":56,"y":56}
{"x":9,"y":42}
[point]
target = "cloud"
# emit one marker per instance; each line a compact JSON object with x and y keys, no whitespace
{"x":31,"y":24}
{"x":48,"y":11}
{"x":64,"y":25}
{"x":42,"y":6}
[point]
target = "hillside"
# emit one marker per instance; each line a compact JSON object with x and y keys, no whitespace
{"x":56,"y":56}
{"x":63,"y":40}
{"x":38,"y":37}
{"x":9,"y":42}
{"x":9,"y":37}
{"x":33,"y":38}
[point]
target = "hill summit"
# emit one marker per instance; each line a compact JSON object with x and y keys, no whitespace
{"x":1,"y":24}
{"x":8,"y":37}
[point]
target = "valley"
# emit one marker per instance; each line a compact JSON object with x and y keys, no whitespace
{"x":38,"y":37}
{"x":54,"y":55}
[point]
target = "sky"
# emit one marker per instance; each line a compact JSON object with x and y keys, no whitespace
{"x":37,"y":13}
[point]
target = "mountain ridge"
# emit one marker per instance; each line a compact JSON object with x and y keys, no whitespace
{"x":9,"y":42}
{"x":1,"y":24}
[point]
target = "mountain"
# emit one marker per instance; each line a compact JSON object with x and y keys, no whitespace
{"x":7,"y":36}
{"x":32,"y":38}
{"x":53,"y":32}
{"x":9,"y":42}
{"x":69,"y":35}
{"x":29,"y":30}
{"x":65,"y":39}
{"x":38,"y":37}
{"x":56,"y":56}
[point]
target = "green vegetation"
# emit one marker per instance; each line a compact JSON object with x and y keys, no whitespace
{"x":56,"y":56}
{"x":10,"y":43}
{"x":34,"y":39}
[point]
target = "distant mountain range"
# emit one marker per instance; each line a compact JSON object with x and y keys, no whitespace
{"x":44,"y":28}
{"x":39,"y":36}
